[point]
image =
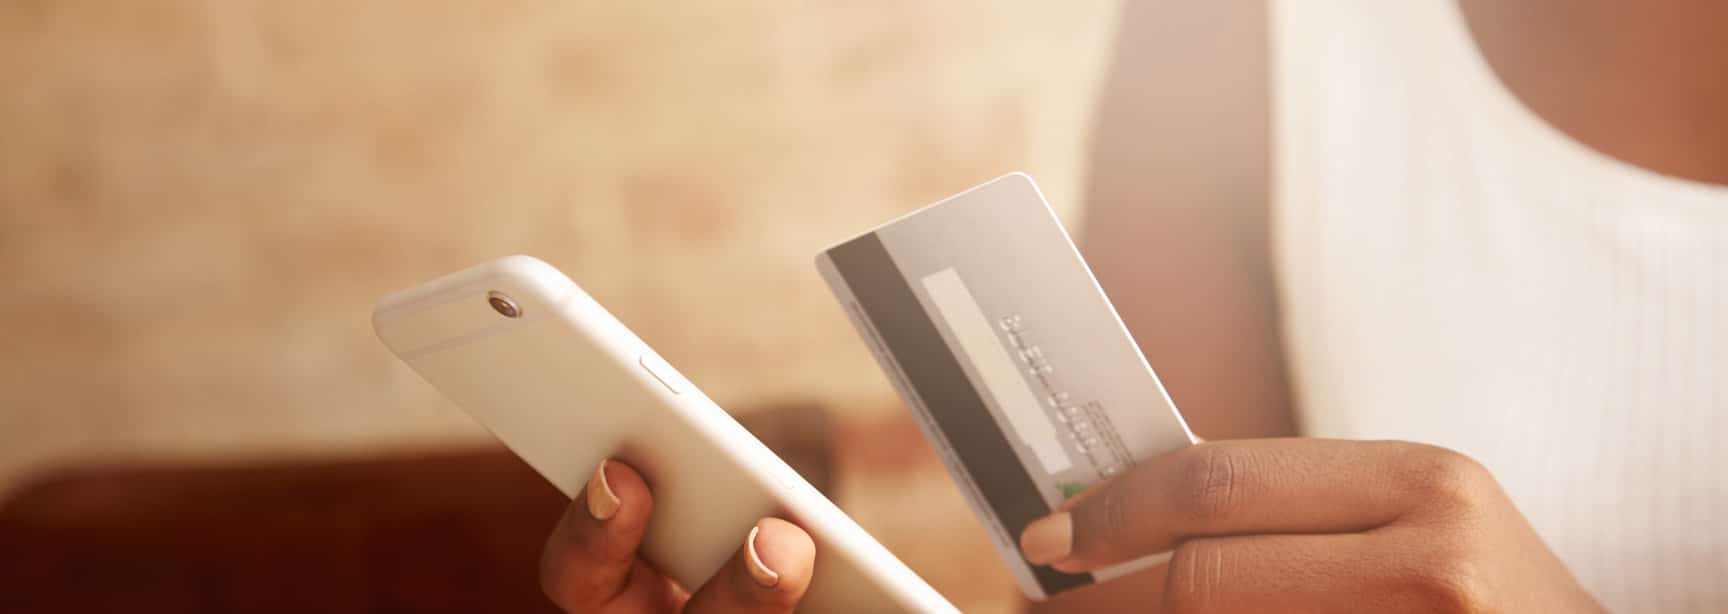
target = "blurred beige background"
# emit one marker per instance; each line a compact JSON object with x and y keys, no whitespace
{"x":201,"y":200}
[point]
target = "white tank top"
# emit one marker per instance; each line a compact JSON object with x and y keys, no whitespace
{"x":1455,"y":271}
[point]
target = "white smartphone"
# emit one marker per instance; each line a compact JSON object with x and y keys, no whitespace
{"x":565,"y":385}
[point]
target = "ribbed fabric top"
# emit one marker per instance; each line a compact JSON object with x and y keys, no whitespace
{"x":1455,"y":271}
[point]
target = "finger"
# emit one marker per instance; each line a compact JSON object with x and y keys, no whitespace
{"x":1299,"y":573}
{"x":590,"y":558}
{"x":768,"y":575}
{"x":1095,"y":487}
{"x":1265,"y":486}
{"x":1139,"y":591}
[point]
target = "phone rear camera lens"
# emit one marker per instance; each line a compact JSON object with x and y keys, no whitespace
{"x":502,"y":304}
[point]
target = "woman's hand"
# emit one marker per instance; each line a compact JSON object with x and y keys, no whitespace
{"x":590,"y":562}
{"x":1309,"y":525}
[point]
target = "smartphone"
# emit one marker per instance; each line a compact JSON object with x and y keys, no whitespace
{"x":533,"y":358}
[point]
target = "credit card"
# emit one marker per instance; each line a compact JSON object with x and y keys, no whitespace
{"x":997,"y":336}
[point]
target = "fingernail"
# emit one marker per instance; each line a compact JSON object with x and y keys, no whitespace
{"x":1048,"y":539}
{"x":602,"y":502}
{"x":759,"y":571}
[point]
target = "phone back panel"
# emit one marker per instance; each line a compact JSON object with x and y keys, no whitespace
{"x":565,"y":385}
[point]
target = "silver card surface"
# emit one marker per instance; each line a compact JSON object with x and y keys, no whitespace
{"x":988,"y":322}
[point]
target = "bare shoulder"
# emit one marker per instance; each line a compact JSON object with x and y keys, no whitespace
{"x":1177,"y":225}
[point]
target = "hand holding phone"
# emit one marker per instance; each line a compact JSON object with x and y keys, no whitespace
{"x":566,"y":386}
{"x":591,"y":563}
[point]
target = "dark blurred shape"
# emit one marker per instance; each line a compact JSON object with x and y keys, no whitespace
{"x":453,"y":531}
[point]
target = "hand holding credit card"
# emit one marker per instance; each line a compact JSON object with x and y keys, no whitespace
{"x":1019,"y":371}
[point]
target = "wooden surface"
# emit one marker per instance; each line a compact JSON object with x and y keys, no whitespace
{"x":446,"y":532}
{"x":451,"y":531}
{"x":455,"y":530}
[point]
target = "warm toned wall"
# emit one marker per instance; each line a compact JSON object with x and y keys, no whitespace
{"x":200,"y":200}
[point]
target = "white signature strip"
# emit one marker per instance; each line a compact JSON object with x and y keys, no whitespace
{"x":1000,"y":372}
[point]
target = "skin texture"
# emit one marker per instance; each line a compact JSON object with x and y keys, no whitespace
{"x":1313,"y":525}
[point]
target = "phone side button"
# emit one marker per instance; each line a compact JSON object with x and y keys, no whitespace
{"x":657,"y":367}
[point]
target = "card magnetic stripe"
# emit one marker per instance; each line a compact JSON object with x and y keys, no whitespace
{"x":935,"y":375}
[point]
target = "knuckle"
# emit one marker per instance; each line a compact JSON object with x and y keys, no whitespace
{"x":569,"y":574}
{"x":1196,"y":578}
{"x":1446,"y":583}
{"x":573,"y":589}
{"x":1114,"y":514}
{"x":1209,"y":482}
{"x":1113,"y":519}
{"x":1442,"y":477}
{"x":564,"y":593}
